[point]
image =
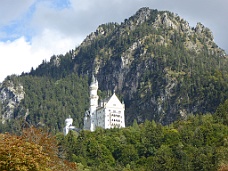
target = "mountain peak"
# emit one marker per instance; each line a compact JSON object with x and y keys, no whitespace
{"x":142,"y":15}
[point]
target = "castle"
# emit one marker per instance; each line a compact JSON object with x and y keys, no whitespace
{"x":109,"y":113}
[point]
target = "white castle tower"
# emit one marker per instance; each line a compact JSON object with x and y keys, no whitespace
{"x":68,"y":127}
{"x":93,"y":103}
{"x":108,"y":114}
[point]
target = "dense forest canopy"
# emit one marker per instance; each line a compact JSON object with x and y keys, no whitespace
{"x":198,"y":143}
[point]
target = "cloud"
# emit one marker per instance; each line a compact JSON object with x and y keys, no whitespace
{"x":11,"y":10}
{"x":20,"y":55}
{"x":14,"y":55}
{"x":52,"y":41}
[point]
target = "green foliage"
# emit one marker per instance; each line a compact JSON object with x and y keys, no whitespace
{"x":221,"y":114}
{"x":199,"y":143}
{"x":48,"y":102}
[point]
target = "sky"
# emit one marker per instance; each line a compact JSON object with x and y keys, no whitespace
{"x":33,"y":30}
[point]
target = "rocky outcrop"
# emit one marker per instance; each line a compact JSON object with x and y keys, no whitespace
{"x":164,"y":21}
{"x":139,"y":18}
{"x":10,"y":97}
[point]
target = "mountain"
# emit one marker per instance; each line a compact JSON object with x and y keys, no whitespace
{"x":161,"y":67}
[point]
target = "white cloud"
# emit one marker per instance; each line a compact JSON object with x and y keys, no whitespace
{"x":53,"y":41}
{"x":14,"y":56}
{"x":19,"y":56}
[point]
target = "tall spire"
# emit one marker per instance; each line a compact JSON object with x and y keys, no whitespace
{"x":93,"y":102}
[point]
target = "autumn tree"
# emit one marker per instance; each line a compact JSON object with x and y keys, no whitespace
{"x":34,"y":150}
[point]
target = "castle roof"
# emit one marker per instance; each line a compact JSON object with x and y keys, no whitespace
{"x":113,"y":100}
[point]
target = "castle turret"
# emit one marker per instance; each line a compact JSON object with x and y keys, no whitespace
{"x":93,"y":102}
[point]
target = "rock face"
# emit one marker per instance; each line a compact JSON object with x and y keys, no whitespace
{"x":10,"y":98}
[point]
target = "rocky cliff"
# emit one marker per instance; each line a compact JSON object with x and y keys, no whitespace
{"x":11,"y":95}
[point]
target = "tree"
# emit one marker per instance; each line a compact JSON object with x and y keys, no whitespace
{"x":164,"y":159}
{"x":221,"y":114}
{"x":34,"y":150}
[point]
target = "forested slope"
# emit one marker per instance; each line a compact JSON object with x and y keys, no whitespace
{"x":48,"y":102}
{"x":198,"y":143}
